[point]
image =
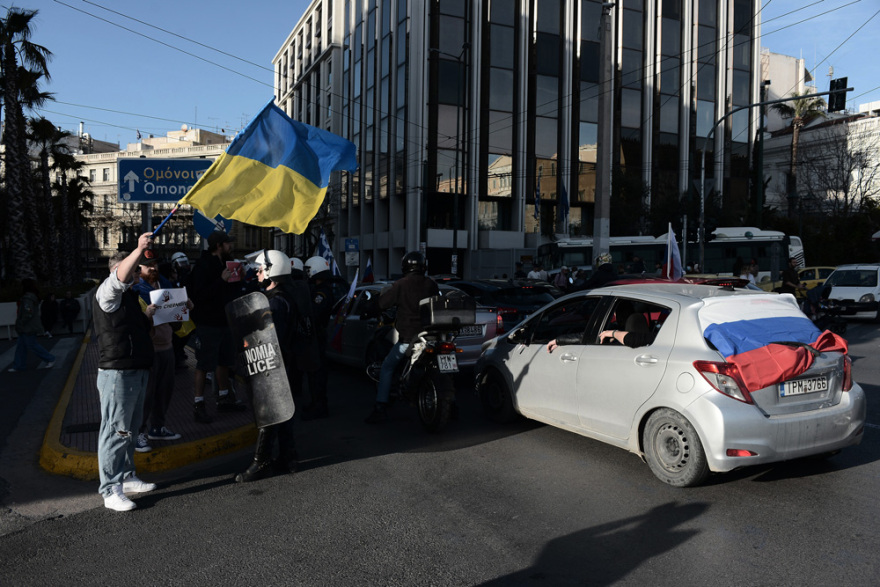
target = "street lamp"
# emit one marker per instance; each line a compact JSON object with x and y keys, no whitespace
{"x":458,"y":146}
{"x":703,"y":161}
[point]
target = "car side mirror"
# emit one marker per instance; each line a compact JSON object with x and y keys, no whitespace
{"x":518,"y":336}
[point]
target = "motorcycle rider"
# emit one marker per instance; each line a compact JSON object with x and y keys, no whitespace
{"x":273,"y":271}
{"x":318,"y":270}
{"x":405,"y":293}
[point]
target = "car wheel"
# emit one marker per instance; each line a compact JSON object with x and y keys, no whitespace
{"x":495,"y":398}
{"x":673,"y":449}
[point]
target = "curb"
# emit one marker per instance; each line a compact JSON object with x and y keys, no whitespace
{"x":69,"y":462}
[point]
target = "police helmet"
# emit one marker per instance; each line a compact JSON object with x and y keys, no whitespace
{"x":273,"y":263}
{"x":316,"y":265}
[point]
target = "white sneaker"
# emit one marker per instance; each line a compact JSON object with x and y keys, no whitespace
{"x":48,"y":365}
{"x":117,"y":501}
{"x":142,"y":444}
{"x":134,"y":485}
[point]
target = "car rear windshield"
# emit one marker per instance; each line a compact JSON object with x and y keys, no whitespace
{"x":853,"y":278}
{"x":523,"y":296}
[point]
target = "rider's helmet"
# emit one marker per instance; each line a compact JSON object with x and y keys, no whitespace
{"x":603,"y":259}
{"x":413,"y":262}
{"x":274,"y":263}
{"x":316,"y":265}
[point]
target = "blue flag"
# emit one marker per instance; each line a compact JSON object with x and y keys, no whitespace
{"x":563,"y":204}
{"x":324,"y":251}
{"x":537,"y":197}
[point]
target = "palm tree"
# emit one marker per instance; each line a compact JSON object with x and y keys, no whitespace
{"x":78,"y":197}
{"x":802,"y":108}
{"x":16,"y":49}
{"x":50,"y":142}
{"x":69,"y":219}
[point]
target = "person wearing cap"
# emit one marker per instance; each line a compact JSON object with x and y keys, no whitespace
{"x":161,"y":383}
{"x":125,"y":355}
{"x":561,"y":279}
{"x":210,"y":291}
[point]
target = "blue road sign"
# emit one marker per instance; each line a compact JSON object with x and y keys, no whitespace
{"x":158,"y":180}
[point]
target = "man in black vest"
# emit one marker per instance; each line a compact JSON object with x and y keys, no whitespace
{"x":125,"y":356}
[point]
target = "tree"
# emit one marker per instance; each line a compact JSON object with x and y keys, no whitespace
{"x":68,"y":222}
{"x":16,"y":48}
{"x":802,"y":108}
{"x":50,"y":143}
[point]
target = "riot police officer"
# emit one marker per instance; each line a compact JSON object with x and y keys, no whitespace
{"x":318,"y":270}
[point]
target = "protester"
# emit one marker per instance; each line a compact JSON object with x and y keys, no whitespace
{"x":519,"y":273}
{"x":69,"y":310}
{"x":49,"y":314}
{"x":322,"y":304}
{"x":406,"y":293}
{"x":273,"y":272}
{"x":125,"y":355}
{"x":210,"y":291}
{"x":161,"y":382}
{"x":28,"y":325}
{"x":171,"y":272}
{"x":748,"y":271}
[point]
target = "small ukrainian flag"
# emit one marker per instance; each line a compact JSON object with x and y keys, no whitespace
{"x":274,"y":173}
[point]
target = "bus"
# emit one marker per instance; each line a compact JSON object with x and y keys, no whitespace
{"x":769,"y":248}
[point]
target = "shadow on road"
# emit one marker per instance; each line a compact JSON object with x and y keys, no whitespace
{"x":605,"y":554}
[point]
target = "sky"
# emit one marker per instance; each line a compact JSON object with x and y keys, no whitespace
{"x":116,"y":72}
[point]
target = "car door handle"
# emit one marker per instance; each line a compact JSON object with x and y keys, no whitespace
{"x":646,"y":360}
{"x":568,"y":358}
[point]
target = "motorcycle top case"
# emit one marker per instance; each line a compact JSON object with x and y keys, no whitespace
{"x":440,"y":311}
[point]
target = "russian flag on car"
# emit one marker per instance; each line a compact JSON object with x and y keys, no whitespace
{"x":769,"y":339}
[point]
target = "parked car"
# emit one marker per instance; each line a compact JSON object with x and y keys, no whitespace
{"x":809,"y":276}
{"x":685,"y":402}
{"x":511,"y":299}
{"x":855,"y":290}
{"x":350,"y":333}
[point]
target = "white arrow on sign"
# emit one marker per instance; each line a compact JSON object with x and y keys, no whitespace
{"x":131,"y":177}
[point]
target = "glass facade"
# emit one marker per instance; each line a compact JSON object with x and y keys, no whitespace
{"x":475,"y":114}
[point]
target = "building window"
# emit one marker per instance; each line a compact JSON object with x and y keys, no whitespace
{"x":106,"y":174}
{"x":93,"y":175}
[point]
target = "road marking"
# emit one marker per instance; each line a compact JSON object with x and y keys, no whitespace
{"x":872,"y":425}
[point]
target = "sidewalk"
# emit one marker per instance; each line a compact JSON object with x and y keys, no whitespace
{"x":71,"y":440}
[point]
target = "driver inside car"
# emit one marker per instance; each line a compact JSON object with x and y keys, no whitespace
{"x":635,"y":333}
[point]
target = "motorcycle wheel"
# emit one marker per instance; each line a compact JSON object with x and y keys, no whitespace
{"x":434,"y":400}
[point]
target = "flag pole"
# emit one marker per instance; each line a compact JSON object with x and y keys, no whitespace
{"x":167,"y":218}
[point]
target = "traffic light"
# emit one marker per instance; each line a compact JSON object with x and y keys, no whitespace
{"x":837,"y":100}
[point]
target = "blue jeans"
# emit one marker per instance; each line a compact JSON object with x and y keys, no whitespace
{"x":28,"y":342}
{"x":121,"y":393}
{"x":387,"y":373}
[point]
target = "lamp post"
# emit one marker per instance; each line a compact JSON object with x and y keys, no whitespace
{"x":458,"y":146}
{"x":703,"y":160}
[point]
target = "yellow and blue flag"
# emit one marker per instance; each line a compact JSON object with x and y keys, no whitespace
{"x":273,"y":174}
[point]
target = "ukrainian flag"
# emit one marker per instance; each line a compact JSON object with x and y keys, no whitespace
{"x":274,"y":173}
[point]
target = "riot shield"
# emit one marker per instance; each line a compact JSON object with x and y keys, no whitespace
{"x":259,"y":357}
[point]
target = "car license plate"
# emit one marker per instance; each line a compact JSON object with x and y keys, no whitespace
{"x":473,"y":330}
{"x":800,"y":386}
{"x":447,"y":363}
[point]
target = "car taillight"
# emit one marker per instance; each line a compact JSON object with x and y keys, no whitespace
{"x":847,"y":373}
{"x":445,"y":348}
{"x":499,"y":325}
{"x":724,"y":377}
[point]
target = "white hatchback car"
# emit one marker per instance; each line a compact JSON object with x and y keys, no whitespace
{"x":856,"y":289}
{"x":703,"y":394}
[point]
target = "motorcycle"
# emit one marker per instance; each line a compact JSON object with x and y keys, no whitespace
{"x":424,"y":377}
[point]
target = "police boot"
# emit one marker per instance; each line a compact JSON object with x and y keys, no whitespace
{"x":262,"y":465}
{"x":287,"y":457}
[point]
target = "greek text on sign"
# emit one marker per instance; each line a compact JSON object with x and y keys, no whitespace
{"x":158,"y":180}
{"x":170,"y":305}
{"x":260,"y":358}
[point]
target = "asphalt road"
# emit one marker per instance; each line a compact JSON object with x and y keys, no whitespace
{"x":478,"y":504}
